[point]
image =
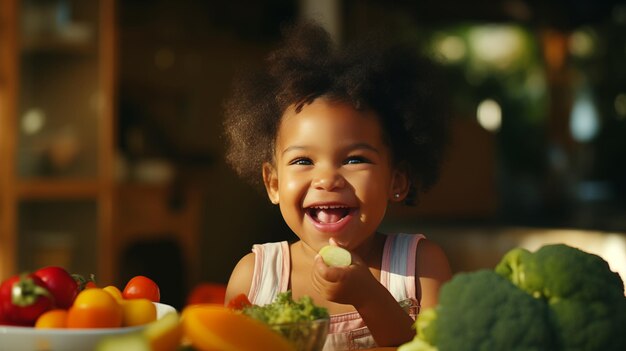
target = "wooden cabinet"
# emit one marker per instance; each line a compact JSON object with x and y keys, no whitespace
{"x":57,"y":117}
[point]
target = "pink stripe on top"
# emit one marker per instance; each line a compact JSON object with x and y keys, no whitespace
{"x":271,"y":272}
{"x":397,"y":272}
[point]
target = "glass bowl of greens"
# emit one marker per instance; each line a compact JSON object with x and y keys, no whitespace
{"x":306,"y":335}
{"x":301,"y":322}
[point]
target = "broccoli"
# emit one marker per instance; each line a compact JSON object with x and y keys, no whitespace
{"x":557,"y":298}
{"x":285,"y":310}
{"x":585,"y":298}
{"x":482,"y":311}
{"x":559,"y":271}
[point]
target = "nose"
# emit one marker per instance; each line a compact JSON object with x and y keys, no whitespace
{"x":328,"y":179}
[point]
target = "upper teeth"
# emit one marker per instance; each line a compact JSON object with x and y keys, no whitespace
{"x":329,"y":207}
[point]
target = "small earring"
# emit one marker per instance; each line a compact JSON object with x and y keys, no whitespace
{"x":396,"y":195}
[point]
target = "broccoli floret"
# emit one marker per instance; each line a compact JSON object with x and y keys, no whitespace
{"x":285,"y":310}
{"x":559,"y":271}
{"x":585,"y":298}
{"x":483,"y":311}
{"x":589,"y":326}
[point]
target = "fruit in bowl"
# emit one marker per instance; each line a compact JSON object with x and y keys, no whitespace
{"x":50,"y":310}
{"x":17,"y":338}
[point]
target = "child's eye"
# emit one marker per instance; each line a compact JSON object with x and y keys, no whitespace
{"x":301,"y":161}
{"x":356,"y":160}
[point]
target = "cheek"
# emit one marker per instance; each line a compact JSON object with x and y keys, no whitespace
{"x":371,"y":187}
{"x":291,"y":185}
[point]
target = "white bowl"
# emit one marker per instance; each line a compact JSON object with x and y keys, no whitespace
{"x":32,"y":339}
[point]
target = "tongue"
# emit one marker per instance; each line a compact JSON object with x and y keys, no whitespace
{"x":330,"y":215}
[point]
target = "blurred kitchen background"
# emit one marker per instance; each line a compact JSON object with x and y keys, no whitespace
{"x":111,"y":154}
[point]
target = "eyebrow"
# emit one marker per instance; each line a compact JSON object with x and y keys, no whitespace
{"x":355,"y":146}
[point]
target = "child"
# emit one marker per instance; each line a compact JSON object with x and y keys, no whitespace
{"x":337,"y":135}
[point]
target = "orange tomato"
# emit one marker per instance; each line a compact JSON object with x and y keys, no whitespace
{"x":114,"y":291}
{"x":138,"y":312}
{"x":94,"y":308}
{"x":142,"y":287}
{"x":56,"y":318}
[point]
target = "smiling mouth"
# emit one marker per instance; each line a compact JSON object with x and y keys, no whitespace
{"x":328,"y":214}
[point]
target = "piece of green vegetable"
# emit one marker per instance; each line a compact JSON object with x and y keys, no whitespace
{"x":336,"y":256}
{"x":285,"y":310}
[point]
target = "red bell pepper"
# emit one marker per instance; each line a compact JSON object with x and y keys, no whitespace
{"x":23,"y":298}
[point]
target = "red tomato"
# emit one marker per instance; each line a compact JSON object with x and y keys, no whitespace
{"x":142,"y":287}
{"x":61,"y":285}
{"x":23,"y":298}
{"x":239,"y":302}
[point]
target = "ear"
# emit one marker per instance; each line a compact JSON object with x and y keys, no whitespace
{"x":270,"y":179}
{"x":399,"y":185}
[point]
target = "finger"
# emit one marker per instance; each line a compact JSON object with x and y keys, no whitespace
{"x":332,"y":274}
{"x":356,"y":259}
{"x":319,"y":275}
{"x":319,"y":265}
{"x":325,"y":273}
{"x":317,"y":259}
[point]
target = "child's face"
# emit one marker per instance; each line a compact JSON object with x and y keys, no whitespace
{"x":333,"y":175}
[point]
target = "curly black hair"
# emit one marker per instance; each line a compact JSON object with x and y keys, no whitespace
{"x":401,"y":86}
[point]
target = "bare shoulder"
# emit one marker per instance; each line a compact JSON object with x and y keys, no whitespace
{"x":241,"y":277}
{"x":432,"y":270}
{"x":431,"y":261}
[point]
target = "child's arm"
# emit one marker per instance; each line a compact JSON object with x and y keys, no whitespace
{"x":432,"y":270}
{"x":241,"y":278}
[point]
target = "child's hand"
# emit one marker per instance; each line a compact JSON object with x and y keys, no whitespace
{"x":345,"y":285}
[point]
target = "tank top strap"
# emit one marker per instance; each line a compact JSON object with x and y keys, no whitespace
{"x":271,"y":272}
{"x":398,"y":265}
